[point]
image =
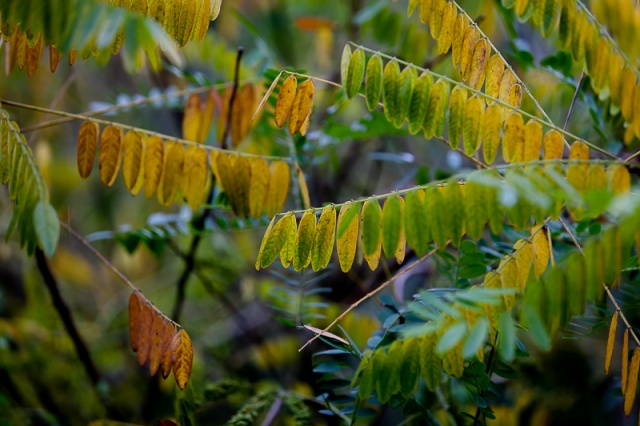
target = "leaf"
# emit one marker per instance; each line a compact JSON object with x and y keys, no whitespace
{"x":491,"y":129}
{"x":513,"y":139}
{"x":302,"y":106}
{"x":632,"y":382}
{"x":167,"y":337}
{"x":430,"y":362}
{"x":278,"y":187}
{"x":288,"y":249}
{"x":523,"y":254}
{"x":135,"y":302}
{"x":324,"y":239}
{"x":541,"y":250}
{"x":457,"y":107}
{"x":507,"y":81}
{"x":625,"y":361}
{"x":415,"y":221}
{"x":321,"y":332}
{"x":196,"y":175}
{"x":473,"y":120}
{"x":436,"y":216}
{"x":405,"y":91}
{"x":155,"y":350}
{"x":153,"y":163}
{"x":477,"y":336}
{"x":182,"y":358}
{"x":186,"y":21}
{"x":344,"y":64}
{"x":410,"y":367}
{"x":532,"y":140}
{"x":435,"y":17}
{"x":550,"y":15}
{"x":285,"y":100}
{"x":594,"y":269}
{"x":347,"y":239}
{"x":506,"y":342}
{"x":553,"y":145}
{"x":355,"y":73}
{"x":272,"y":242}
{"x":469,"y":39}
{"x":448,"y":18}
{"x":452,"y":197}
{"x":478,"y":64}
{"x":371,"y":232}
{"x":373,"y":83}
{"x":579,"y":151}
{"x":144,"y":331}
{"x":494,"y":71}
{"x":476,"y":212}
{"x":610,"y":342}
{"x":619,"y":179}
{"x":392,"y":225}
{"x":133,"y":161}
{"x":536,"y":327}
{"x":391,"y":89}
{"x":47,"y":227}
{"x":627,"y":87}
{"x":171,"y":173}
{"x":304,"y":240}
{"x":110,"y":154}
{"x":87,"y":146}
{"x":192,"y":118}
{"x":419,"y":102}
{"x":258,"y":187}
{"x":437,"y":110}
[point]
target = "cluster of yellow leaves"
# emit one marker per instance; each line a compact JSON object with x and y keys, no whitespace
{"x":622,"y":19}
{"x":295,"y":103}
{"x":157,"y":341}
{"x":184,"y":20}
{"x":167,"y":169}
{"x":611,"y":76}
{"x":25,"y":50}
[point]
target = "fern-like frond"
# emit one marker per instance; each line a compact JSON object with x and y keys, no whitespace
{"x":34,"y":217}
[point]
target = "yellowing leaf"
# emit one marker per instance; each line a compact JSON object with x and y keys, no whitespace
{"x":508,"y":269}
{"x":627,"y":88}
{"x":87,"y":146}
{"x":532,"y":141}
{"x":392,"y":225}
{"x":192,"y":119}
{"x":459,"y":27}
{"x":436,"y":113}
{"x":469,"y":40}
{"x":579,"y":151}
{"x":494,"y":71}
{"x":302,"y":106}
{"x":430,"y":362}
{"x":371,"y":232}
{"x":391,"y":88}
{"x":523,"y":253}
{"x":476,"y":211}
{"x":541,"y":250}
{"x":553,"y":145}
{"x":186,"y":21}
{"x":402,"y":244}
{"x":507,"y":81}
{"x":405,"y":91}
{"x":259,"y":187}
{"x":110,"y":154}
{"x":419,"y":102}
{"x":344,"y":64}
{"x":491,"y":129}
{"x":610,"y":342}
{"x":596,"y":177}
{"x":182,"y":358}
{"x":285,"y":100}
{"x":435,"y":17}
{"x":273,"y":240}
{"x":455,"y":215}
{"x":196,"y":176}
{"x":457,"y":107}
{"x":513,"y":140}
{"x":278,"y":187}
{"x":355,"y":73}
{"x":415,"y":221}
{"x":288,"y":249}
{"x":619,"y":179}
{"x":632,"y":382}
{"x":133,"y":161}
{"x":550,"y":15}
{"x":473,"y":124}
{"x":304,"y":240}
{"x":481,"y":52}
{"x":448,"y":18}
{"x":171,"y":173}
{"x":153,"y":163}
{"x":373,"y":83}
{"x":347,"y":237}
{"x":324,"y":239}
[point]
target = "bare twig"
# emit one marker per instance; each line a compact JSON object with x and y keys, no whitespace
{"x":573,"y":101}
{"x":370,"y":295}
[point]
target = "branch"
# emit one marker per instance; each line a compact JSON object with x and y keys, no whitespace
{"x":369,"y":295}
{"x":573,"y":101}
{"x":65,"y":316}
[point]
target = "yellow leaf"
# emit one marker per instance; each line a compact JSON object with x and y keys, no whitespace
{"x":619,"y":179}
{"x":491,"y":128}
{"x":285,"y":100}
{"x":596,"y":177}
{"x":447,"y":27}
{"x":625,"y":361}
{"x":203,"y":14}
{"x":192,"y":119}
{"x":614,"y":71}
{"x":523,"y":253}
{"x":304,"y":189}
{"x":87,"y":146}
{"x":435,"y":17}
{"x":541,"y":249}
{"x":495,"y":69}
{"x":133,"y":161}
{"x":457,"y":106}
{"x":469,"y":39}
{"x":153,"y":162}
{"x":513,"y":139}
{"x":402,"y":244}
{"x":459,"y":27}
{"x":532,"y":140}
{"x":278,"y":187}
{"x":371,"y":232}
{"x":610,"y":343}
{"x":347,"y":237}
{"x":186,"y":20}
{"x":508,"y":269}
{"x":323,"y":240}
{"x":171,"y":173}
{"x":627,"y":88}
{"x":553,"y":145}
{"x":632,"y":382}
{"x":580,"y":151}
{"x":302,"y":106}
{"x":259,"y":187}
{"x":110,"y":154}
{"x":515,"y":95}
{"x":507,"y":81}
{"x":478,"y":64}
{"x":473,"y":120}
{"x":196,"y":175}
{"x":182,"y":358}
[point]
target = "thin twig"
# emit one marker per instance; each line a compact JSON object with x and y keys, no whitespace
{"x":273,"y":412}
{"x":370,"y":295}
{"x":573,"y":101}
{"x":66,"y":317}
{"x":232,"y":98}
{"x":606,"y":288}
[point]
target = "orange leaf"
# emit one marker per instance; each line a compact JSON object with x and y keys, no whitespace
{"x":167,"y":338}
{"x":155,"y":350}
{"x":192,"y":119}
{"x":87,"y":146}
{"x":182,"y":358}
{"x":135,"y":300}
{"x":144,"y":331}
{"x":610,"y":341}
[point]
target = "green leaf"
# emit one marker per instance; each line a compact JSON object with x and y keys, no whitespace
{"x":47,"y":226}
{"x":410,"y":367}
{"x":304,"y":240}
{"x":344,"y":65}
{"x":366,"y":384}
{"x":392,"y":225}
{"x":476,"y":338}
{"x":355,"y":73}
{"x":273,"y":241}
{"x":536,"y":327}
{"x":405,"y":91}
{"x":390,"y":94}
{"x":455,"y":211}
{"x":419,"y":102}
{"x":373,"y":84}
{"x":323,"y":240}
{"x":457,"y":106}
{"x":451,"y":337}
{"x":437,"y":216}
{"x":507,"y":339}
{"x":415,"y":221}
{"x":430,"y":362}
{"x":436,"y":113}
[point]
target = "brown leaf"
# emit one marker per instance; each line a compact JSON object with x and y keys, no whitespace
{"x":625,"y":361}
{"x":167,"y":338}
{"x":144,"y":331}
{"x":632,"y":382}
{"x":182,"y":358}
{"x":135,"y":300}
{"x":610,"y":341}
{"x":157,"y":334}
